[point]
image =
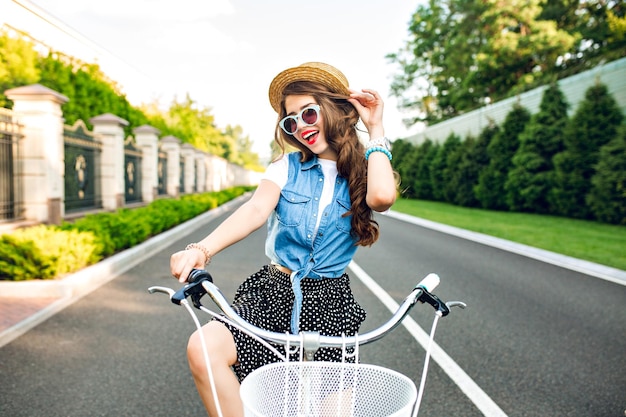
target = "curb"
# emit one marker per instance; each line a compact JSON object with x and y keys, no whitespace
{"x":604,"y":272}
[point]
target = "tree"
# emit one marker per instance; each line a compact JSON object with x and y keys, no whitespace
{"x":490,"y":189}
{"x":607,"y":198}
{"x":599,"y":27}
{"x":440,"y":168}
{"x":411,"y":163}
{"x":89,"y":91}
{"x":522,"y":49}
{"x":425,"y":79}
{"x":593,"y":125}
{"x":245,"y":156}
{"x":455,"y":153}
{"x":402,"y":163}
{"x":601,"y":24}
{"x":18,"y":64}
{"x":196,"y":125}
{"x":415,"y":169}
{"x":92,"y":93}
{"x":460,"y":187}
{"x":423,"y":185}
{"x":530,"y":179}
{"x":474,"y":159}
{"x":451,"y":65}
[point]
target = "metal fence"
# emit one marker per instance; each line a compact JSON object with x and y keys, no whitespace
{"x":82,"y":162}
{"x":132,"y":172}
{"x":29,"y":187}
{"x":162,"y":173}
{"x":11,"y":204}
{"x":181,"y":180}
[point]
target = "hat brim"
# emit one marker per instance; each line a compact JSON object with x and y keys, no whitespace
{"x":324,"y":74}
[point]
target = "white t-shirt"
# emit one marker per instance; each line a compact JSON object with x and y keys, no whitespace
{"x":278,"y":171}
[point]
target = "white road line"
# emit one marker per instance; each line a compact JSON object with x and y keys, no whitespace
{"x":482,"y":401}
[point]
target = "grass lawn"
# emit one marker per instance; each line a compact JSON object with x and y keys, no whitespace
{"x":596,"y":242}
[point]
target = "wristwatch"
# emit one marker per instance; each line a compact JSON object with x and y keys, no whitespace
{"x":382,"y":142}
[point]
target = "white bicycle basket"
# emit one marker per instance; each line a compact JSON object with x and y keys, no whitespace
{"x":321,"y":389}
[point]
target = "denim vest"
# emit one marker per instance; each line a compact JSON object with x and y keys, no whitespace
{"x":290,"y":241}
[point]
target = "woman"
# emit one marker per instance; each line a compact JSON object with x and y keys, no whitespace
{"x":318,"y":203}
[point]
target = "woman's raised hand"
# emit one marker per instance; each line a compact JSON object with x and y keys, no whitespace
{"x":370,"y":106}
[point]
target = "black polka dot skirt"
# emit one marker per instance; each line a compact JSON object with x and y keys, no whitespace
{"x":266,"y":298}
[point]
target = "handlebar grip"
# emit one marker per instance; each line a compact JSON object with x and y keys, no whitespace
{"x":429,"y":283}
{"x":198,"y":275}
{"x":193,"y":288}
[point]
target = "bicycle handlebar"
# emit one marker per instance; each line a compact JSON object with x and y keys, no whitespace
{"x":201,"y":283}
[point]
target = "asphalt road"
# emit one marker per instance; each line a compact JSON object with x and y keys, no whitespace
{"x":535,"y":340}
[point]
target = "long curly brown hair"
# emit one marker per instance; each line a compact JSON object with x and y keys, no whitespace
{"x":340,"y":120}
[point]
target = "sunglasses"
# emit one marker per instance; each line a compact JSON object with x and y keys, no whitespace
{"x":309,"y":116}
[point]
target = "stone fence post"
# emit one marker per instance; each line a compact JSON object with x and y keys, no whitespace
{"x":147,"y":139}
{"x":171,"y":146}
{"x":188,"y":153}
{"x":216,"y":174}
{"x":42,"y":151}
{"x":110,"y":130}
{"x":201,"y":171}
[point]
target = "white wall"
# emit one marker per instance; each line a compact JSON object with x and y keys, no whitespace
{"x":613,"y":75}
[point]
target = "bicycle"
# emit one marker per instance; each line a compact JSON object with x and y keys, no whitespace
{"x":306,"y":388}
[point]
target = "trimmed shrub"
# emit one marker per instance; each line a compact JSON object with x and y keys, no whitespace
{"x":69,"y":250}
{"x":607,"y":198}
{"x":22,"y":260}
{"x":531,"y":178}
{"x":44,"y":252}
{"x":595,"y":123}
{"x":490,"y":189}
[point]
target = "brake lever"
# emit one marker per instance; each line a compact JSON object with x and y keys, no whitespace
{"x":164,"y":290}
{"x":434,"y":301}
{"x":460,"y":304}
{"x":193,"y":288}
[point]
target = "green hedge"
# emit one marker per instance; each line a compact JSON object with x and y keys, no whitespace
{"x":48,"y":252}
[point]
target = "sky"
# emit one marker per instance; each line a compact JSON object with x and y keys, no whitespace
{"x":224,"y":53}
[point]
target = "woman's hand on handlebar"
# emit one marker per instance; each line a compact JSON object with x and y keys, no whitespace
{"x":182,"y":262}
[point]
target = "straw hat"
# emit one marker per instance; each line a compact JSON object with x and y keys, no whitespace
{"x":318,"y":72}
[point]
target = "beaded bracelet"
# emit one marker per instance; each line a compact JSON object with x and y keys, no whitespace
{"x":205,"y":251}
{"x":378,"y":142}
{"x":377,"y":149}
